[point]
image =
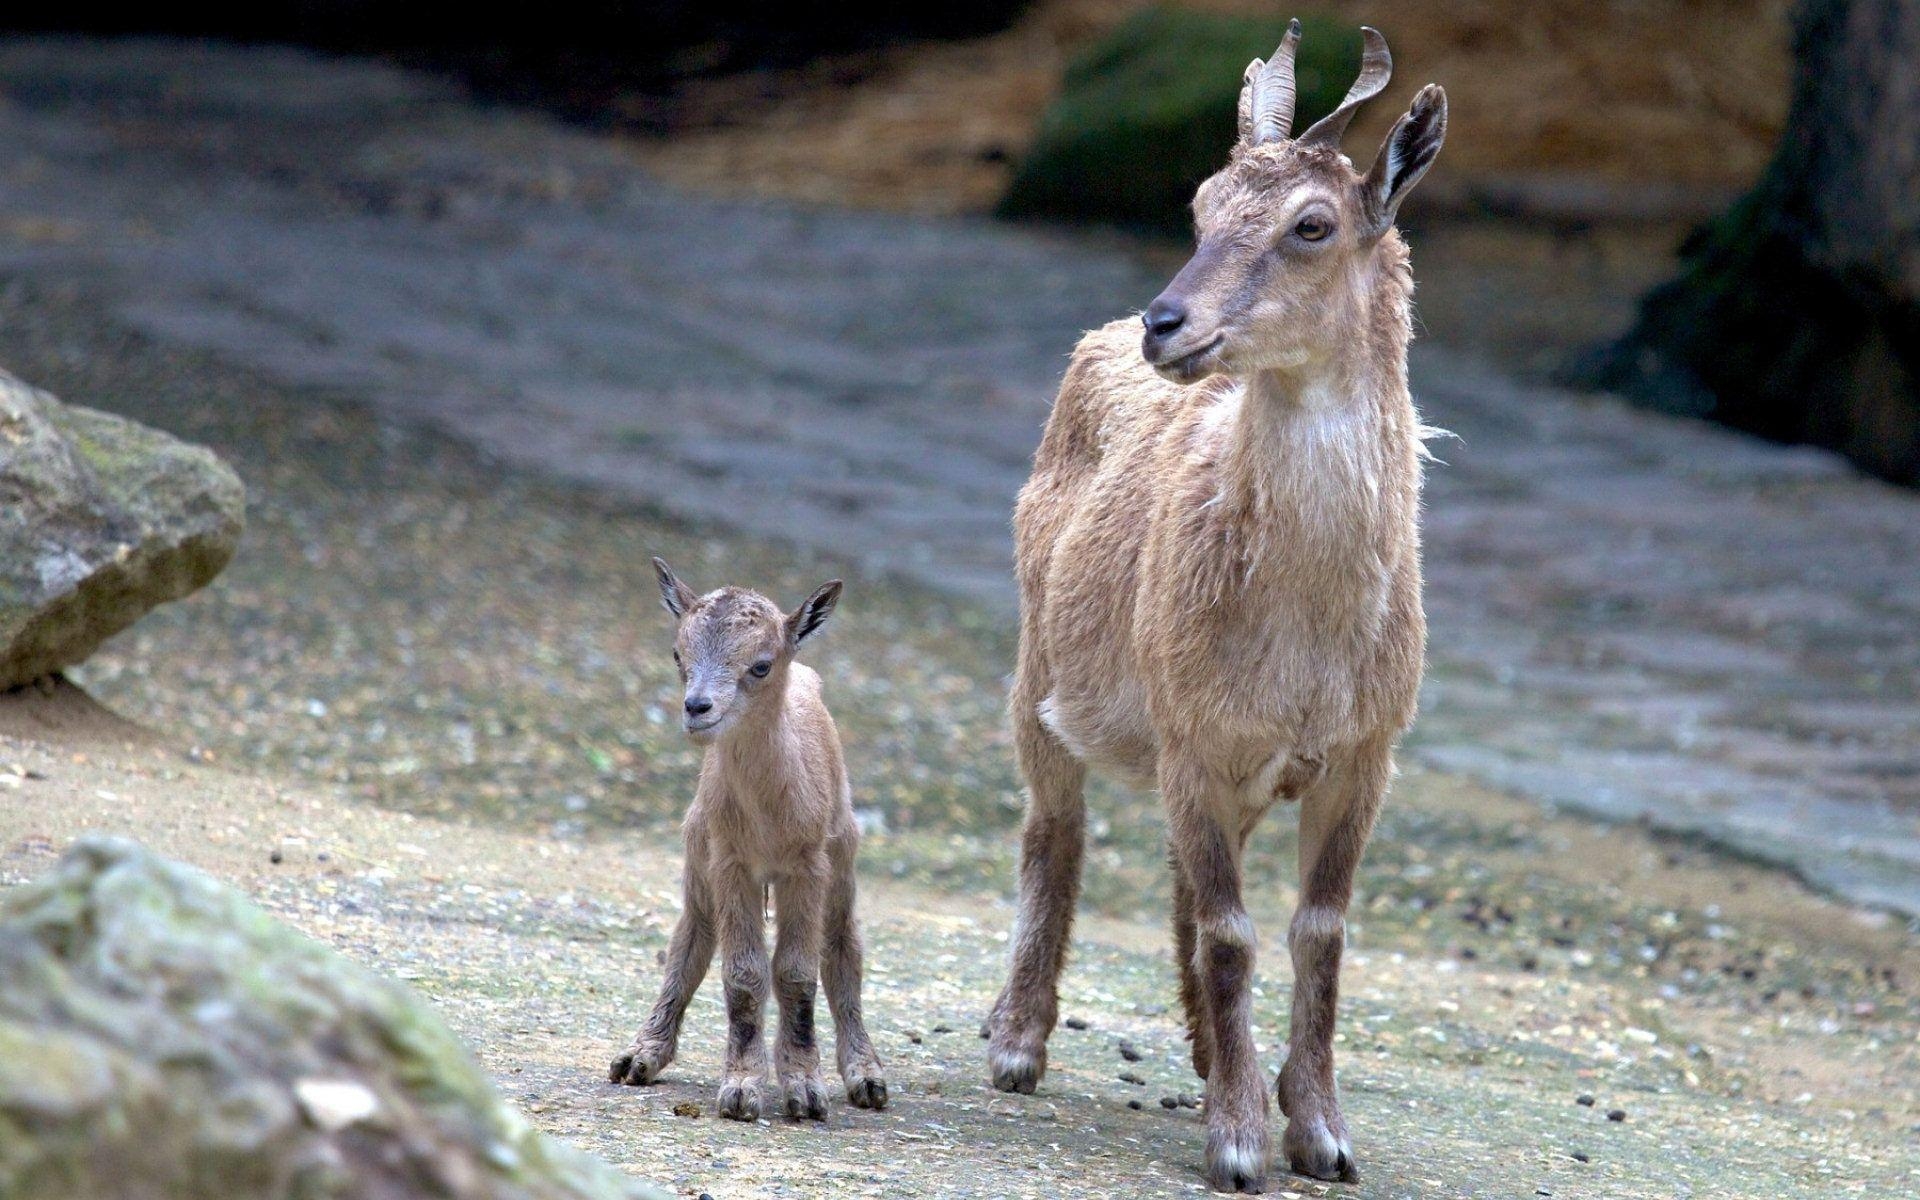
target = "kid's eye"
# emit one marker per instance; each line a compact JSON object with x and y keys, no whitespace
{"x":759,"y":670}
{"x":676,"y":658}
{"x":1312,"y":229}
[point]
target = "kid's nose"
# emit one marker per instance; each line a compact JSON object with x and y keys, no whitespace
{"x":698,"y":706}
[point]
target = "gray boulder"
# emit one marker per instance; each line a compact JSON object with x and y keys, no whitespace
{"x":101,"y":519}
{"x":162,"y":1038}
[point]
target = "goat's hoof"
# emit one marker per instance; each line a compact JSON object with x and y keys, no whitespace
{"x":740,"y":1099}
{"x":1315,"y":1150}
{"x":639,"y":1066}
{"x":1016,"y":1069}
{"x":1237,"y":1159}
{"x":867,"y":1091}
{"x":806,"y":1097}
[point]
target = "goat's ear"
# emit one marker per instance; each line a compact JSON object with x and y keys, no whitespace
{"x":675,"y":597}
{"x":1409,"y":150}
{"x":813,"y":612}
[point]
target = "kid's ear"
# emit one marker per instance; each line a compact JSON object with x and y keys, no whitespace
{"x":1405,"y":156}
{"x":675,"y":597}
{"x":813,"y":612}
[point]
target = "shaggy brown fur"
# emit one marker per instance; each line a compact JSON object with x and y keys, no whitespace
{"x":773,"y":809}
{"x":1219,"y":571}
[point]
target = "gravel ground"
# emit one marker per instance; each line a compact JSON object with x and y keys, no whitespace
{"x":425,"y":685}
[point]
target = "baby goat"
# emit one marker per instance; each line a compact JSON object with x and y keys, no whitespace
{"x":772,"y":808}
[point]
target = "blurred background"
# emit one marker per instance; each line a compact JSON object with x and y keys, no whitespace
{"x":484,"y":313}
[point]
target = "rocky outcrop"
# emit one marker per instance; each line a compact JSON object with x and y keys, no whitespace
{"x":101,"y":519}
{"x":161,"y":1037}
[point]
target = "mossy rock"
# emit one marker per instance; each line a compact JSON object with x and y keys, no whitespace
{"x":162,"y":1038}
{"x":101,"y":519}
{"x":1148,"y":112}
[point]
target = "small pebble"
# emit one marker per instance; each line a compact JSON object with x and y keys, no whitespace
{"x":1076,"y":1023}
{"x":1189,"y":1100}
{"x":914,"y":1038}
{"x":1135,"y":1105}
{"x":1617,"y":1114}
{"x":943,"y":1029}
{"x":1129,"y":1051}
{"x":1169,"y":1102}
{"x":1581,"y":1156}
{"x":1584,"y":1100}
{"x":686,"y":1108}
{"x":1130,"y":1077}
{"x":275,"y":856}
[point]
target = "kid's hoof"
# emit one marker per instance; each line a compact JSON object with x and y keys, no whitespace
{"x":1016,"y":1070}
{"x":740,"y":1100}
{"x":638,"y":1067}
{"x":1314,"y":1151}
{"x":1237,"y":1162}
{"x":867,"y":1091}
{"x":806,"y":1098}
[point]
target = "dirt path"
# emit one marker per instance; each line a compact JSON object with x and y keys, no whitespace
{"x":1463,"y":1075}
{"x":1631,"y":616}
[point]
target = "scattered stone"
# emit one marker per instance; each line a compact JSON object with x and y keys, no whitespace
{"x":1130,"y":1077}
{"x":943,"y":1029}
{"x":101,"y":520}
{"x":914,"y":1038}
{"x":1129,"y":1051}
{"x":275,"y":857}
{"x":1584,"y":1100}
{"x":1582,"y":1156}
{"x":1616,"y":1114}
{"x":154,"y":1025}
{"x":1135,"y":1105}
{"x":1076,"y":1023}
{"x":1189,"y":1100}
{"x":687,"y":1108}
{"x":1169,"y":1102}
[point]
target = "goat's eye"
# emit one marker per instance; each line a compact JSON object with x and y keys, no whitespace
{"x":759,"y":670}
{"x":1312,"y":229}
{"x":676,"y":658}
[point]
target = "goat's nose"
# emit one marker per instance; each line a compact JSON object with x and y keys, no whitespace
{"x":698,"y":706}
{"x":1164,"y":316}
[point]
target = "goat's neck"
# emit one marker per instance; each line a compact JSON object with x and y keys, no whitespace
{"x":1305,"y":473}
{"x":752,"y":752}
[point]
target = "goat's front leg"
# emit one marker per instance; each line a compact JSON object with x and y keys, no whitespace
{"x":1336,"y":819}
{"x":840,"y":969}
{"x":799,"y":900}
{"x":688,"y":956}
{"x":740,"y":901}
{"x":1204,"y":828}
{"x":1051,"y":844}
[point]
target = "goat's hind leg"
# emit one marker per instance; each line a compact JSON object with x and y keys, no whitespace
{"x":1336,"y":818}
{"x":1193,"y":997}
{"x":1051,"y":844}
{"x":688,"y":955}
{"x":840,"y":970}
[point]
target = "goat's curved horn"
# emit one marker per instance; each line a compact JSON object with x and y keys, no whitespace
{"x":1376,"y":68}
{"x":1272,"y":88}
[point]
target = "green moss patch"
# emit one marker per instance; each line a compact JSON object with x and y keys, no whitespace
{"x":1147,"y":112}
